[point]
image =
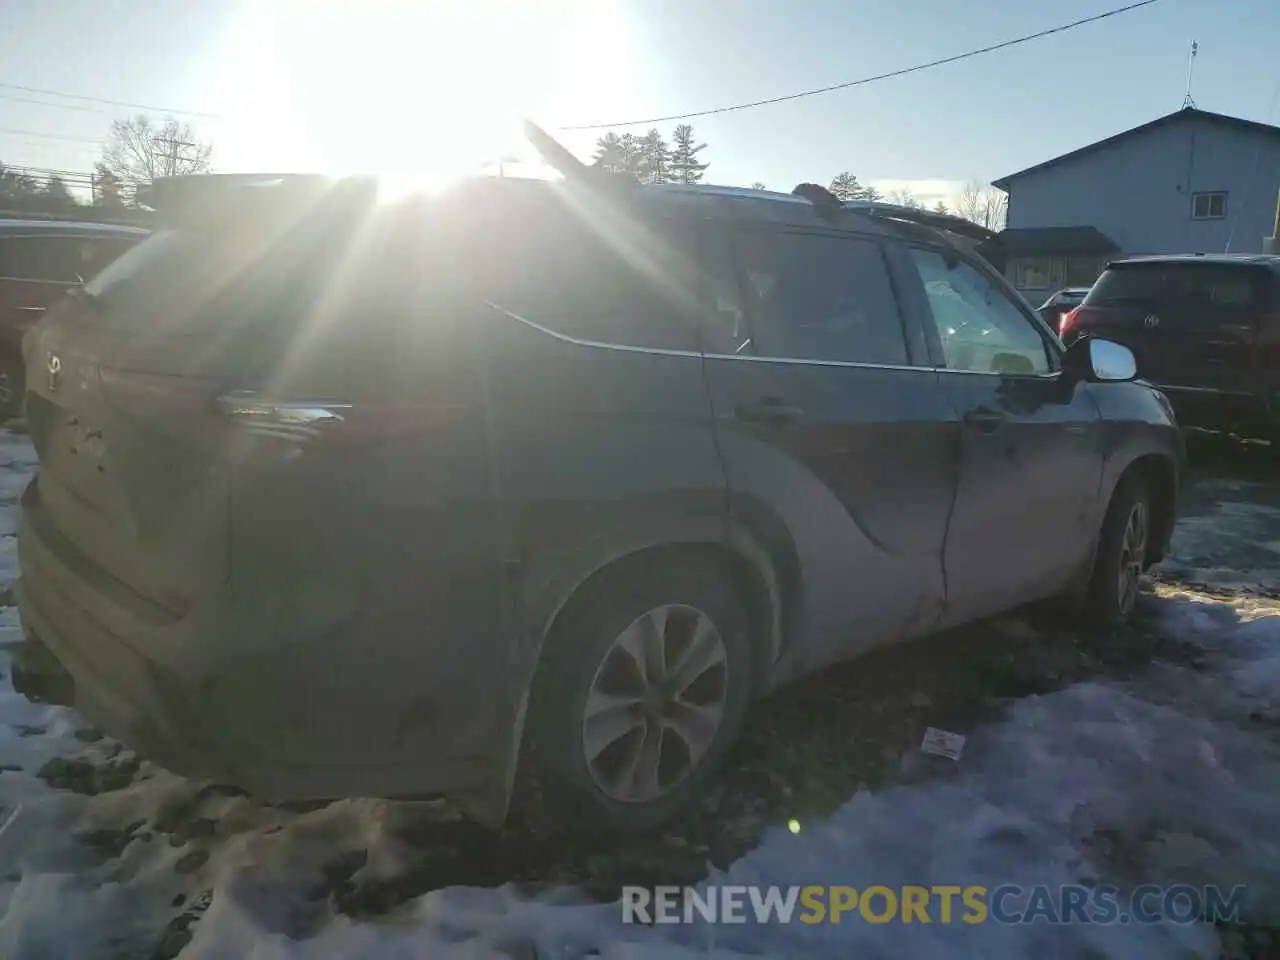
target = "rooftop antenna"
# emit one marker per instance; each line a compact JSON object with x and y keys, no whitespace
{"x":1187,"y":102}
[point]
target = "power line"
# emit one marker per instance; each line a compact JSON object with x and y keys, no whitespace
{"x":51,"y":136}
{"x":864,"y":80}
{"x":112,"y":103}
{"x":61,"y":106}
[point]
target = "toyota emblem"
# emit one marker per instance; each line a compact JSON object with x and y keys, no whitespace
{"x":54,"y":366}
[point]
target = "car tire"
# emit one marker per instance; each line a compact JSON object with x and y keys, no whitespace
{"x":1123,"y":546}
{"x":642,"y":690}
{"x":12,"y":388}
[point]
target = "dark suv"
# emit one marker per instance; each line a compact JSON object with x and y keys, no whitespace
{"x":1205,"y":329}
{"x":40,"y":260}
{"x":344,"y":496}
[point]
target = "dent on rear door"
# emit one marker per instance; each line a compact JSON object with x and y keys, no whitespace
{"x":846,"y":470}
{"x":852,"y":501}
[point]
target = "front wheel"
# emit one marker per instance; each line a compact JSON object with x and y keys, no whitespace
{"x":1122,"y":555}
{"x":642,"y":690}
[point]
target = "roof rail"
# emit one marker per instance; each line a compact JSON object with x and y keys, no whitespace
{"x":926,"y":218}
{"x":567,"y":165}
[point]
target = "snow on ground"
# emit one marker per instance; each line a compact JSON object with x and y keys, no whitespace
{"x":1170,"y":777}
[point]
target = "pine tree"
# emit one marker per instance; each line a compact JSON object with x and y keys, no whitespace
{"x":106,"y":190}
{"x":684,"y":164}
{"x":609,"y":153}
{"x":630,"y":153}
{"x":654,"y":158}
{"x":941,"y":207}
{"x":846,"y":186}
{"x":55,"y":197}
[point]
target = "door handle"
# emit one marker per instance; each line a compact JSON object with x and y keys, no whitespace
{"x":984,"y":420}
{"x":769,"y":412}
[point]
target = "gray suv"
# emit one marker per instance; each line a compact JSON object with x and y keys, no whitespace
{"x":343,"y":497}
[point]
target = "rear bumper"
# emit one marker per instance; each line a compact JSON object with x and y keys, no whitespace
{"x":127,"y":695}
{"x":282,"y":724}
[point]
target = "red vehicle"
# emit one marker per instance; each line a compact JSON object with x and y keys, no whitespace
{"x":39,"y":261}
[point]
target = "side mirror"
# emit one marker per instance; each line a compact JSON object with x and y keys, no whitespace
{"x":1099,"y":360}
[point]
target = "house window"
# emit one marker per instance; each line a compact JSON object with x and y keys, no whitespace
{"x":1209,"y":206}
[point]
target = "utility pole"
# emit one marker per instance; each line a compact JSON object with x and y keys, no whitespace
{"x":171,"y":168}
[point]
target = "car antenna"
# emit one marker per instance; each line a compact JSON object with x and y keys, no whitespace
{"x":556,"y":156}
{"x":824,"y":201}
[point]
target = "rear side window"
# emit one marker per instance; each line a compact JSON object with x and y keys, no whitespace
{"x":605,"y":279}
{"x":819,"y":297}
{"x":1180,"y":285}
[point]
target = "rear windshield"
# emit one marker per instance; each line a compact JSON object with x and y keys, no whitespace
{"x":184,"y":278}
{"x":1184,"y":284}
{"x":151,"y":256}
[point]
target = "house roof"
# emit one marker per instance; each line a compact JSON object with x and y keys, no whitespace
{"x":1178,"y":116}
{"x":1055,"y":240}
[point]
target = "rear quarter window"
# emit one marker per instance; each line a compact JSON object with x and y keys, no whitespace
{"x":609,"y":279}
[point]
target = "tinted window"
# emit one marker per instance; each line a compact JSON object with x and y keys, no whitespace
{"x":725,"y":327}
{"x":48,"y":259}
{"x":980,"y":327}
{"x":820,"y":297}
{"x":605,"y":279}
{"x":1180,"y":284}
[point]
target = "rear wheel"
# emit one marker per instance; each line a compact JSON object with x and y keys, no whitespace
{"x":642,"y":690}
{"x":1122,"y":555}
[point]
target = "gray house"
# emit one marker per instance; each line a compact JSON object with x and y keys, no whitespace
{"x":1189,"y":182}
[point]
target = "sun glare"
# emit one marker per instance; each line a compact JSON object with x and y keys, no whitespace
{"x":420,"y":91}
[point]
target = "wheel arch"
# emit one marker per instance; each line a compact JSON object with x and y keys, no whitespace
{"x":1160,"y":478}
{"x":746,"y":561}
{"x":740,"y":553}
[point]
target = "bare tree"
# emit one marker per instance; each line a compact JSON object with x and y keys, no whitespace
{"x":758,"y":186}
{"x":139,"y":150}
{"x":985,"y":206}
{"x":903,"y":197}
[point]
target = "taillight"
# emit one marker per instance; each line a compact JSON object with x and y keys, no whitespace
{"x":1067,"y":321}
{"x":1081,"y":316}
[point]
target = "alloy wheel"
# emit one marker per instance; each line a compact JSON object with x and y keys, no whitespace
{"x":1133,"y":552}
{"x":656,"y":703}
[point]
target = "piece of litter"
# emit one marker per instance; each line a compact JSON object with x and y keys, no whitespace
{"x":942,"y":743}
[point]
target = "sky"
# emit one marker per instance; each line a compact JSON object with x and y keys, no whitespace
{"x":431,"y":87}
